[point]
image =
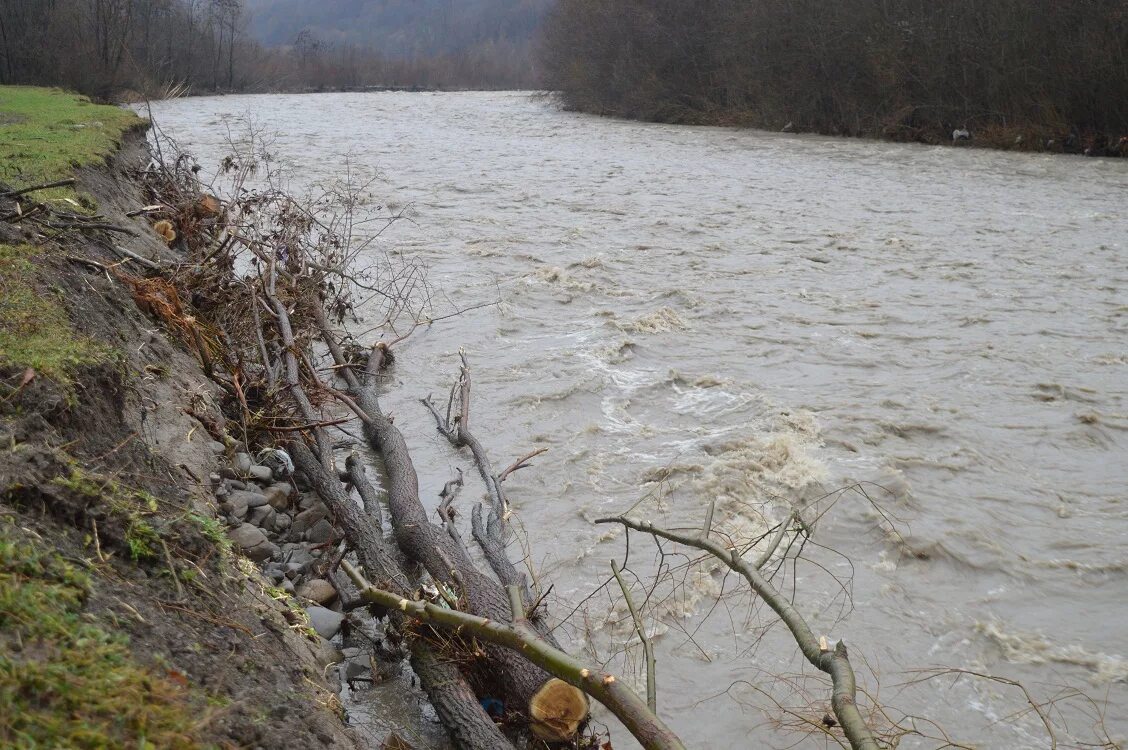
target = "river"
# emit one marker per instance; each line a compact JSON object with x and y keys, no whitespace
{"x":696,"y":314}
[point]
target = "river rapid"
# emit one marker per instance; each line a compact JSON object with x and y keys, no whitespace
{"x":691,"y":315}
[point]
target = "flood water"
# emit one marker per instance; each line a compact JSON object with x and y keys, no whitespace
{"x":691,"y":315}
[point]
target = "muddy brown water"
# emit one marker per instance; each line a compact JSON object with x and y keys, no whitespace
{"x":697,"y":314}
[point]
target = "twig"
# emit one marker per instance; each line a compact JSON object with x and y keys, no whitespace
{"x":34,"y":188}
{"x":647,"y":646}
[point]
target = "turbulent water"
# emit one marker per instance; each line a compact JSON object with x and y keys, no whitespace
{"x":698,"y":314}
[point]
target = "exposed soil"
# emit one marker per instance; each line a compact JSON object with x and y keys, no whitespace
{"x":110,"y":471}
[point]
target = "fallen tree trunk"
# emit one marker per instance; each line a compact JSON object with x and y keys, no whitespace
{"x":521,"y":638}
{"x":516,"y":680}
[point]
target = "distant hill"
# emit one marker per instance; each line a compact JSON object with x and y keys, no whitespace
{"x":401,"y":29}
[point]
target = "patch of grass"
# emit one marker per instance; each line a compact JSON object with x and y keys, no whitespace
{"x":212,"y":530}
{"x":35,"y":331}
{"x":46,"y":133}
{"x":64,"y":681}
{"x":129,"y":504}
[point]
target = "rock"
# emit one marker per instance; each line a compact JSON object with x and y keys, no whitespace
{"x":216,"y":447}
{"x":288,"y":586}
{"x":252,"y":541}
{"x":307,"y":501}
{"x":299,"y":555}
{"x":325,"y":652}
{"x":235,"y":506}
{"x":263,"y":517}
{"x":281,"y":522}
{"x":234,"y":484}
{"x":306,"y":520}
{"x":242,"y":463}
{"x":356,"y":668}
{"x":317,"y":590}
{"x":293,"y":570}
{"x":260,"y":474}
{"x":252,"y":499}
{"x":321,"y":532}
{"x":215,"y":480}
{"x":326,"y":622}
{"x":278,"y":495}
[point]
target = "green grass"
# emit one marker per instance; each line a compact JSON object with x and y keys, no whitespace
{"x":64,"y":681}
{"x":35,"y":331}
{"x":128,"y":504}
{"x":46,"y":133}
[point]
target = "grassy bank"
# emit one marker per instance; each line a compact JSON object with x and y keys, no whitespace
{"x":46,"y":133}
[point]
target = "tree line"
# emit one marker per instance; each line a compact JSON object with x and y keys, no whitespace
{"x":1033,"y":73}
{"x":153,"y":47}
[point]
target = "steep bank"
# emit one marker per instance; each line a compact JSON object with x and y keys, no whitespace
{"x":126,"y":618}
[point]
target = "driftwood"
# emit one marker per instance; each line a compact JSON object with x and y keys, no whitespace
{"x":492,"y":534}
{"x":443,"y":555}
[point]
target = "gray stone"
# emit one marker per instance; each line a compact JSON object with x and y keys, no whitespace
{"x":235,"y":505}
{"x":278,"y":495}
{"x":326,"y":622}
{"x":293,"y":570}
{"x":318,"y":590}
{"x":281,"y":522}
{"x":307,"y":501}
{"x":215,"y":480}
{"x":252,"y":499}
{"x":356,"y":668}
{"x":307,"y":519}
{"x":325,"y":653}
{"x":299,"y":553}
{"x":321,"y":532}
{"x":263,"y":517}
{"x":260,"y":474}
{"x":234,"y":484}
{"x":242,"y":463}
{"x":247,"y":537}
{"x":288,"y":586}
{"x":216,"y":447}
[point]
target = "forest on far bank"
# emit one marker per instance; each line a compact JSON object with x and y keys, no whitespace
{"x":1042,"y":74}
{"x":107,"y":48}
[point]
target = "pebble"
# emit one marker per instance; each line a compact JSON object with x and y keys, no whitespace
{"x":263,"y":517}
{"x":252,"y":499}
{"x":242,"y":463}
{"x":308,"y":518}
{"x":281,"y":522}
{"x":252,"y":541}
{"x":236,"y":506}
{"x":356,"y":668}
{"x":317,"y":590}
{"x":278,"y":495}
{"x":260,"y":473}
{"x":321,"y":532}
{"x":216,"y":447}
{"x":326,"y":622}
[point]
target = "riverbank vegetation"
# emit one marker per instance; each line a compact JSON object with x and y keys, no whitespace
{"x":1032,"y":75}
{"x":115,"y":49}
